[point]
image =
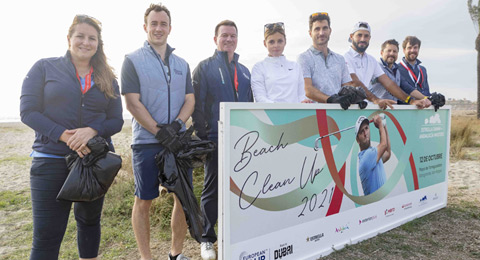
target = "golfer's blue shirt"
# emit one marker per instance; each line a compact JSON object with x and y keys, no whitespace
{"x":372,"y":173}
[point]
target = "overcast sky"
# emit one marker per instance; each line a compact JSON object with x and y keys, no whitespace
{"x":32,"y":30}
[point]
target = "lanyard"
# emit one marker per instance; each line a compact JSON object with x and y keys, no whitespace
{"x":88,"y":81}
{"x":414,"y":78}
{"x":235,"y":79}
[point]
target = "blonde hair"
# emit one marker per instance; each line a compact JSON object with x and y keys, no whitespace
{"x":104,"y":75}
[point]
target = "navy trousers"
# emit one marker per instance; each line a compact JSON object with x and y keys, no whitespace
{"x":50,"y":216}
{"x":209,"y":198}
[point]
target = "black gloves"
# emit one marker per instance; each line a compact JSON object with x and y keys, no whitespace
{"x":167,"y":136}
{"x":357,"y":95}
{"x":437,"y":99}
{"x":362,"y":104}
{"x":344,"y":101}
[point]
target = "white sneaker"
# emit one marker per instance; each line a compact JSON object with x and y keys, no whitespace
{"x":207,"y":251}
{"x":180,"y":257}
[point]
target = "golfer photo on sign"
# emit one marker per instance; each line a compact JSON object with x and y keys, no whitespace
{"x":371,"y":159}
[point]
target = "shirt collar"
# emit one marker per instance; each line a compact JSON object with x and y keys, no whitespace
{"x":354,"y":53}
{"x":317,"y":52}
{"x":417,"y":62}
{"x":276,"y":59}
{"x":394,"y":66}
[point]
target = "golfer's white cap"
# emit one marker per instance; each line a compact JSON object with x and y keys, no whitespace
{"x":359,"y":122}
{"x":360,"y":26}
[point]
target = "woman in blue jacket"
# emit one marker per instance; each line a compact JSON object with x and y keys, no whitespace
{"x":67,"y":101}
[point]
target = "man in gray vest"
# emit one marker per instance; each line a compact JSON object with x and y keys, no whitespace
{"x":159,"y":94}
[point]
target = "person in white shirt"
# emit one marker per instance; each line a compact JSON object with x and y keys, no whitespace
{"x":365,"y":70}
{"x":276,"y":79}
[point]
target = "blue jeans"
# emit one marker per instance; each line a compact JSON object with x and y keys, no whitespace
{"x":50,"y":216}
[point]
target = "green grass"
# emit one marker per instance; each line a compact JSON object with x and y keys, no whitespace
{"x":12,"y":200}
{"x":117,"y":233}
{"x":447,"y":230}
{"x":15,"y":159}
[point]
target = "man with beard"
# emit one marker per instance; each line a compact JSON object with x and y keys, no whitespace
{"x":371,"y":159}
{"x":413,"y":75}
{"x":389,"y":54}
{"x":366,"y":72}
{"x":324,"y":71}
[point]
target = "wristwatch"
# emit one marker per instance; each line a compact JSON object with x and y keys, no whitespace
{"x":180,"y":122}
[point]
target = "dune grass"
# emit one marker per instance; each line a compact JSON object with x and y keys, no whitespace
{"x":464,"y":133}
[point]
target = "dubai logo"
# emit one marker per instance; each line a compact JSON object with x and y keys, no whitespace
{"x":283,"y":251}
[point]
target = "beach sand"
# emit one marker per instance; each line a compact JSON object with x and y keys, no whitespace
{"x":16,"y":138}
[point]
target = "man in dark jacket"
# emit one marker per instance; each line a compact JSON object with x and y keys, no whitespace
{"x":413,"y":75}
{"x":220,"y":78}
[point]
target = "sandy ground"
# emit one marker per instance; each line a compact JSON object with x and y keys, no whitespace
{"x":16,"y":138}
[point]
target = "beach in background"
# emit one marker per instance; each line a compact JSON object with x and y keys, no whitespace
{"x":16,"y":140}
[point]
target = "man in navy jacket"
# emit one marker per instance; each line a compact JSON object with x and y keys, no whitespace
{"x":413,"y":75}
{"x":220,"y":78}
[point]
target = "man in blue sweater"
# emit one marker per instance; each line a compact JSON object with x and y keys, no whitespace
{"x":371,"y":159}
{"x":220,"y":78}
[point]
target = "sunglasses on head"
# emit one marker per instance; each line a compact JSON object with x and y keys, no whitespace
{"x":319,"y":13}
{"x":270,"y":26}
{"x":84,"y":16}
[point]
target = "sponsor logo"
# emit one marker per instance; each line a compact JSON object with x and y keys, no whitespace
{"x":435,"y":119}
{"x":259,"y":255}
{"x":178,"y":72}
{"x":407,"y":206}
{"x":342,"y":229}
{"x":362,"y":221}
{"x":435,"y":197}
{"x":283,"y":251}
{"x":389,"y":212}
{"x":423,"y":200}
{"x":315,"y":238}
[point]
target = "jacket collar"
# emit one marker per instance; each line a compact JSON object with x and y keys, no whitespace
{"x":67,"y":60}
{"x":224,"y":55}
{"x":169,"y":50}
{"x":417,"y":62}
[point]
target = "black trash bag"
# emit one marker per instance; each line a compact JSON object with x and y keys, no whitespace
{"x":194,"y":150}
{"x":173,"y":175}
{"x":357,"y":95}
{"x":91,"y":176}
{"x":438,"y":100}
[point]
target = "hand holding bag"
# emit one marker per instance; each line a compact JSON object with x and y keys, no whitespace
{"x":91,"y":176}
